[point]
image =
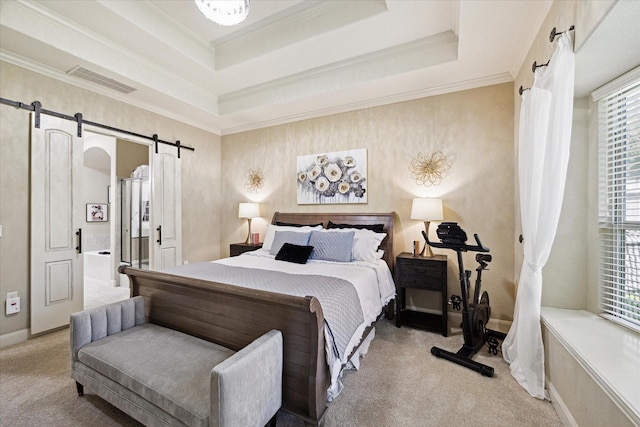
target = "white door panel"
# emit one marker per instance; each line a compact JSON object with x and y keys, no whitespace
{"x":56,"y":218}
{"x":166,"y":211}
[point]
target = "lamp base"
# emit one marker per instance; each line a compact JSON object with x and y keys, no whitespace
{"x":426,"y":251}
{"x":249,"y":233}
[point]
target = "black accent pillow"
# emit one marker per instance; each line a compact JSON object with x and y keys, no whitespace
{"x":294,"y":253}
{"x":289,"y":224}
{"x":378,"y":228}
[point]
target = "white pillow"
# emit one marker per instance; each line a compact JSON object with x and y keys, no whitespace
{"x":271,"y":232}
{"x":365,"y":243}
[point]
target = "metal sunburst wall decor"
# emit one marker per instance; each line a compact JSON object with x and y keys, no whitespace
{"x":429,"y":168}
{"x":255,"y":180}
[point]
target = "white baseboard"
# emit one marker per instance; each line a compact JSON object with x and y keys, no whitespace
{"x":14,"y":338}
{"x":561,"y":409}
{"x":455,"y":319}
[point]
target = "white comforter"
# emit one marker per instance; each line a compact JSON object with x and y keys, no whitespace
{"x":373,"y":283}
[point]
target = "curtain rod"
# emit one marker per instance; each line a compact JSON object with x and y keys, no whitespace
{"x":552,"y":37}
{"x":553,"y":34}
{"x":36,"y":107}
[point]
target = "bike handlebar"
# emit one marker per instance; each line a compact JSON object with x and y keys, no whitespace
{"x":458,"y":246}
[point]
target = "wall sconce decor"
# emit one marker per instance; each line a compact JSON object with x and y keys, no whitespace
{"x":255,"y":180}
{"x":429,"y":168}
{"x":427,"y":210}
{"x":249,"y":211}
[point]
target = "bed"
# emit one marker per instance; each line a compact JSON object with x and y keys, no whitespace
{"x":233,"y":316}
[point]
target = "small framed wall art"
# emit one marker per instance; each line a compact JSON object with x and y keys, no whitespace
{"x":332,"y":178}
{"x":97,"y":212}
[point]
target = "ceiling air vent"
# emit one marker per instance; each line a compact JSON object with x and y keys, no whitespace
{"x":92,"y":76}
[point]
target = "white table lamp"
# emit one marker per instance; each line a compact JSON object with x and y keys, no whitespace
{"x":249,"y":211}
{"x":427,"y":210}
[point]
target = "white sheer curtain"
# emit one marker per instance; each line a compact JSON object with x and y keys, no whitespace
{"x":544,"y":140}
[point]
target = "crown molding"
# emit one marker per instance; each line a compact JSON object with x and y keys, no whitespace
{"x":180,"y":38}
{"x":376,"y":102}
{"x":414,"y":55}
{"x":206,"y":125}
{"x":96,"y":88}
{"x":301,"y":22}
{"x":113,"y":60}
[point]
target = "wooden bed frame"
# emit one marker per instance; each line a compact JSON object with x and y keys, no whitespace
{"x":233,"y":316}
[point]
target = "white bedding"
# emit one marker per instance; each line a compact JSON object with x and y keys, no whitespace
{"x":373,"y":283}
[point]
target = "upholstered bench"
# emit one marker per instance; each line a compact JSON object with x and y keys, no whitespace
{"x":160,"y":376}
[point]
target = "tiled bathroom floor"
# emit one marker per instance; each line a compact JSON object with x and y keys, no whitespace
{"x":97,"y":293}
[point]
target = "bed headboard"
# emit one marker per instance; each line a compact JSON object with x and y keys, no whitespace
{"x":387,"y":219}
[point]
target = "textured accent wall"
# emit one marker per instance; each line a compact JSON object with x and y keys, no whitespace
{"x":474,"y":128}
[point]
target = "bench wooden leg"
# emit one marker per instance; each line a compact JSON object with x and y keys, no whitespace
{"x":80,"y":388}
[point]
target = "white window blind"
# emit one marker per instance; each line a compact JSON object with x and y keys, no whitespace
{"x":619,"y":201}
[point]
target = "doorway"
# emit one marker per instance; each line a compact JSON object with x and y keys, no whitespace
{"x":101,"y":206}
{"x":62,"y":213}
{"x":108,"y":161}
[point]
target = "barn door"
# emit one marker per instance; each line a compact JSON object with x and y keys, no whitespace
{"x":166,"y":208}
{"x":57,"y":216}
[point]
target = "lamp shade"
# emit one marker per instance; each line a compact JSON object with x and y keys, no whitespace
{"x":427,"y":209}
{"x":249,"y":210}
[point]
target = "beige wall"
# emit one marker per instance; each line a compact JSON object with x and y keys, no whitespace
{"x":474,"y":128}
{"x":200,"y":173}
{"x":129,"y":157}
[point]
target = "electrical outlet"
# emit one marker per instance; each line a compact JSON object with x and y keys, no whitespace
{"x":13,"y":305}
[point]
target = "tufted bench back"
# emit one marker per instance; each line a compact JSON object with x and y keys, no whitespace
{"x":97,"y":323}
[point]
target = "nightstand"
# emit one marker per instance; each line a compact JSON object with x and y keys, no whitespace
{"x":236,"y":249}
{"x":430,"y":274}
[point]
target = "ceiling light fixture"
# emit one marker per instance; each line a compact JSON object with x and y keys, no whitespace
{"x":224,"y":12}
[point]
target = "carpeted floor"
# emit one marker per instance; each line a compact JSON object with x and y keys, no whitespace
{"x":399,"y":384}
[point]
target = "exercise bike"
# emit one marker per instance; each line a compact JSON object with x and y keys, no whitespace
{"x":475,"y":309}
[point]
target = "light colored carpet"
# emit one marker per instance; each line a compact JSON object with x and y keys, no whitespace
{"x":399,"y":384}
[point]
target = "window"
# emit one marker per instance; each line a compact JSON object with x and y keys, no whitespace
{"x":619,"y":198}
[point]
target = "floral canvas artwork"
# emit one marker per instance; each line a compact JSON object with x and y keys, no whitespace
{"x":330,"y":178}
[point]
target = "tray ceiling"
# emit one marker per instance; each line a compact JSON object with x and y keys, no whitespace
{"x":288,"y":61}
